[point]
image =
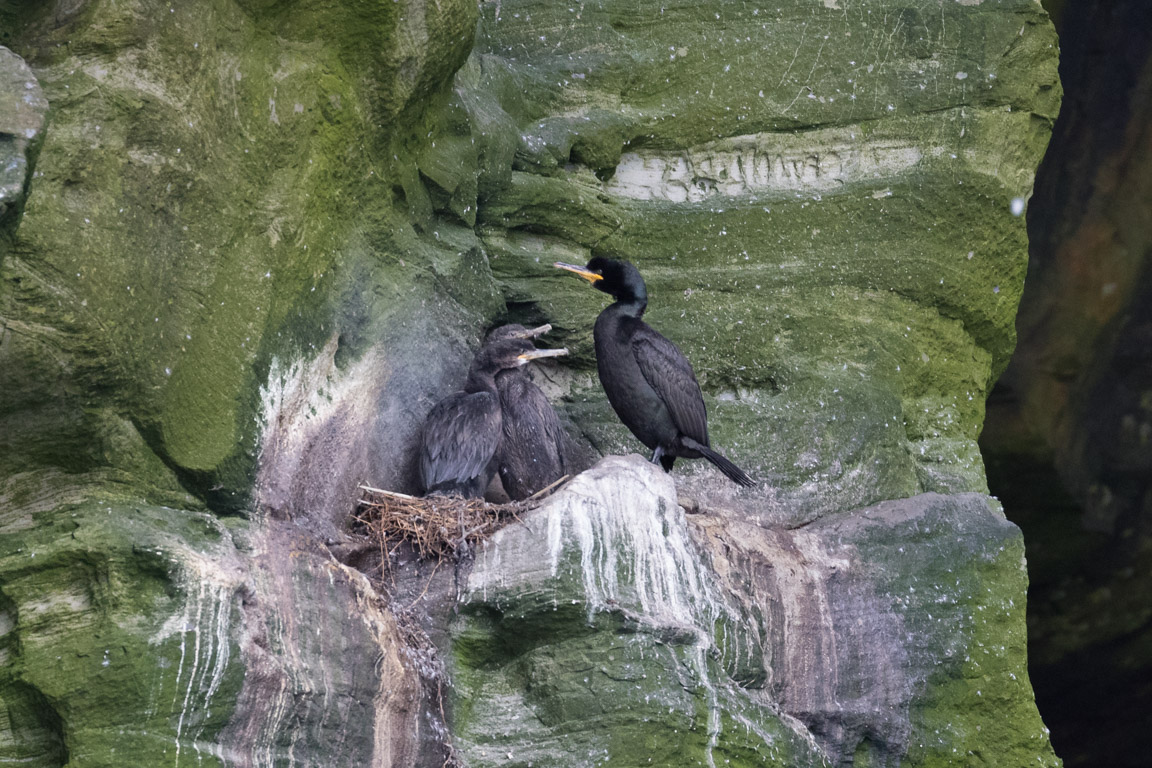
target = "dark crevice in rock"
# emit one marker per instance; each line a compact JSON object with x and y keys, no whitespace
{"x":1068,"y":427}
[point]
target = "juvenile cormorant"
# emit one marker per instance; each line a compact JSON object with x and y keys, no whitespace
{"x":463,"y":431}
{"x":531,"y":457}
{"x":649,"y":382}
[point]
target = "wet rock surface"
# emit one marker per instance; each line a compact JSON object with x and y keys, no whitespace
{"x":610,"y":627}
{"x":143,"y":635}
{"x":261,"y":241}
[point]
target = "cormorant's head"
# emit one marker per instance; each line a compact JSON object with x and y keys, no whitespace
{"x":617,"y":278}
{"x":515,"y":331}
{"x":510,"y":353}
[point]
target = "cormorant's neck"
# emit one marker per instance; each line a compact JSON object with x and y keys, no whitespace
{"x":631,"y":304}
{"x":480,"y":380}
{"x":631,"y":293}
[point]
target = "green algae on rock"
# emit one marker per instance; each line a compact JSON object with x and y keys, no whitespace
{"x":192,"y":215}
{"x":608,"y":628}
{"x":816,"y":220}
{"x":587,"y":634}
{"x":262,"y":239}
{"x":138,"y":635}
{"x":212,"y":209}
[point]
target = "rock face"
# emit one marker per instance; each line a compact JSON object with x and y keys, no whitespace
{"x":261,"y":241}
{"x":816,"y":224}
{"x":139,"y":635}
{"x":611,"y":628}
{"x":22,"y":111}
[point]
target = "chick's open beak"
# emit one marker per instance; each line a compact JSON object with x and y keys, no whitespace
{"x":591,"y":277}
{"x":536,"y":353}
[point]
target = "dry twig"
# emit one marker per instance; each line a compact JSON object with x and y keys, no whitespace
{"x":437,"y":526}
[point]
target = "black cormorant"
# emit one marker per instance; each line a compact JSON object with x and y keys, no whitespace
{"x":531,"y":456}
{"x":649,"y":382}
{"x":463,"y":431}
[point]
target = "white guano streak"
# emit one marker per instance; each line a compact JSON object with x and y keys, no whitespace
{"x":207,"y":615}
{"x":621,"y":523}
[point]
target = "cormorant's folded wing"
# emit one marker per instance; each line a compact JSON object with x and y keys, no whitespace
{"x":531,"y":456}
{"x":669,"y":373}
{"x":461,"y":434}
{"x":530,"y":420}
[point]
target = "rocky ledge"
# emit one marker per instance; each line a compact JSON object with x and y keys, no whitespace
{"x":609,"y":627}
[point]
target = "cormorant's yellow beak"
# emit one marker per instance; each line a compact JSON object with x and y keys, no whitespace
{"x":591,"y":277}
{"x":542,"y":353}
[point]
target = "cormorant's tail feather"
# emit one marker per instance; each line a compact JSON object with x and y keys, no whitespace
{"x":733,"y":472}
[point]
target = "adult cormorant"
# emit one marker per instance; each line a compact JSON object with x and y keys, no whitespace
{"x":649,"y":382}
{"x":463,"y":431}
{"x":531,"y":457}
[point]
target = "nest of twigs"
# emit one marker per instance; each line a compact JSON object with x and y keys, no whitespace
{"x":437,"y":527}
